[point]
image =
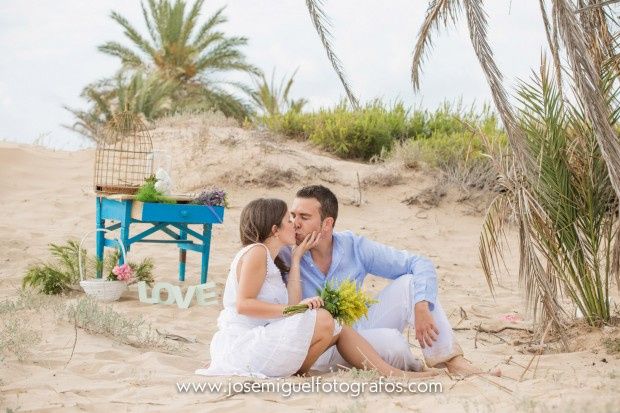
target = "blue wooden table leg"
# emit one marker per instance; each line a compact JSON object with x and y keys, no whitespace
{"x":99,"y":237}
{"x":206,"y":246}
{"x":182,"y":255}
{"x":125,"y":223}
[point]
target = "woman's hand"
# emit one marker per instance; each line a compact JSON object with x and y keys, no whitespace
{"x":308,"y":243}
{"x":313,"y":302}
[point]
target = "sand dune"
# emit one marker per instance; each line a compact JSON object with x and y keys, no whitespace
{"x":45,"y":197}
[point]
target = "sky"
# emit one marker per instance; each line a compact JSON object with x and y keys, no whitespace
{"x":49,"y":53}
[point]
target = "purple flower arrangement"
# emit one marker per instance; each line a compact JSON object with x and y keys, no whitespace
{"x":212,"y":197}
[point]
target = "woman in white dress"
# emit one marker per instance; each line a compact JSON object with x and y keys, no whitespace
{"x":253,"y":337}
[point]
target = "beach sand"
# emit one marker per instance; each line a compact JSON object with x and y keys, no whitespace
{"x":46,"y":197}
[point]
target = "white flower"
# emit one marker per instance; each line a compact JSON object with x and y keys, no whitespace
{"x":164,"y":182}
{"x":162,"y":175}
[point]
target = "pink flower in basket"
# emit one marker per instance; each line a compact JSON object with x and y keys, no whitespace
{"x":123,"y":272}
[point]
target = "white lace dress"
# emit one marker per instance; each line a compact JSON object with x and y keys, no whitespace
{"x":248,"y":346}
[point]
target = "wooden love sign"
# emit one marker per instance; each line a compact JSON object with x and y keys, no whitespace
{"x":205,"y":294}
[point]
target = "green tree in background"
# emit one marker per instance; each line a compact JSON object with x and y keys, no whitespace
{"x":178,"y":48}
{"x":271,"y":99}
{"x":144,"y":94}
{"x":179,"y":65}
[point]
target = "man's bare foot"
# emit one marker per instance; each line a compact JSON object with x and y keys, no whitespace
{"x":463,"y":367}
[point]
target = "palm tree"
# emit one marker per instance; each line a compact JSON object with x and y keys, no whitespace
{"x":565,"y":209}
{"x":140,"y":93}
{"x":176,"y":48}
{"x":271,"y":99}
{"x":584,"y":33}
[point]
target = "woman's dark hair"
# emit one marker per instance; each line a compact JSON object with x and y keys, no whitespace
{"x":258,"y":218}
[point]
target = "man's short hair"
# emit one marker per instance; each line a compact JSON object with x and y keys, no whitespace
{"x":327,"y":199}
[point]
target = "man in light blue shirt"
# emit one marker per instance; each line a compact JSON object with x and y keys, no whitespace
{"x":411,"y":299}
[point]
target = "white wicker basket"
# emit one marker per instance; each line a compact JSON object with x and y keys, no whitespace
{"x":102,"y":290}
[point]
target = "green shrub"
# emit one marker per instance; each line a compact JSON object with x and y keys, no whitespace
{"x":56,"y":276}
{"x":148,"y":193}
{"x":292,"y":124}
{"x":345,"y":132}
{"x":360,"y":134}
{"x":446,"y":135}
{"x":61,"y":274}
{"x":564,"y":203}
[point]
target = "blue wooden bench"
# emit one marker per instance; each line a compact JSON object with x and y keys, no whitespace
{"x":170,"y":219}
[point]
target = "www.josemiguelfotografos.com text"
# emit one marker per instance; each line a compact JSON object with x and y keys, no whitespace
{"x":316,"y":385}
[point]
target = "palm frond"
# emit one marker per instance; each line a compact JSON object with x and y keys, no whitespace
{"x":598,"y":37}
{"x":212,"y":97}
{"x":596,"y":5}
{"x":540,"y":285}
{"x":207,"y":28}
{"x":175,"y":24}
{"x":551,"y":31}
{"x":491,"y":238}
{"x":477,"y":24}
{"x":138,"y":93}
{"x":439,"y":11}
{"x":190,"y":22}
{"x":272,"y":99}
{"x":225,"y":56}
{"x":133,"y":34}
{"x":150,"y":24}
{"x":586,"y":81}
{"x":127,"y":56}
{"x":319,"y":20}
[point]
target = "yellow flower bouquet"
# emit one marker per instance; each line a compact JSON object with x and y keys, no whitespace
{"x":346,"y":303}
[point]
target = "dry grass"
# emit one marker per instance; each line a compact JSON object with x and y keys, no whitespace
{"x":266,"y":177}
{"x":475,"y":175}
{"x":430,"y":197}
{"x":476,"y":201}
{"x":383,"y":177}
{"x":323,"y":173}
{"x":90,"y":316}
{"x":354,"y":373}
{"x":407,"y":154}
{"x":465,"y":171}
{"x":612,"y":345}
{"x":28,"y":299}
{"x":18,"y":335}
{"x":230,"y":141}
{"x":189,"y":119}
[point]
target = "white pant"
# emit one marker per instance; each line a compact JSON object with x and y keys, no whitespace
{"x":383,"y":330}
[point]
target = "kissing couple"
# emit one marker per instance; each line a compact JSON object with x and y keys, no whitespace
{"x":286,"y":256}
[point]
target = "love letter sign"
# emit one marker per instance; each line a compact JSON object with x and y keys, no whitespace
{"x":205,"y":294}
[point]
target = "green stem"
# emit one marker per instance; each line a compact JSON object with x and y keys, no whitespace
{"x":295,"y":309}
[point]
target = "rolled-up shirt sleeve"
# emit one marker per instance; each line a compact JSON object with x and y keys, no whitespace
{"x":384,"y":261}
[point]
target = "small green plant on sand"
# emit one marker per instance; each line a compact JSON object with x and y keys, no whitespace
{"x":62,"y":273}
{"x":148,"y":193}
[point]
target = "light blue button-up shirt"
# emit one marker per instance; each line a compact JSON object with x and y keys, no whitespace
{"x":355,"y":256}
